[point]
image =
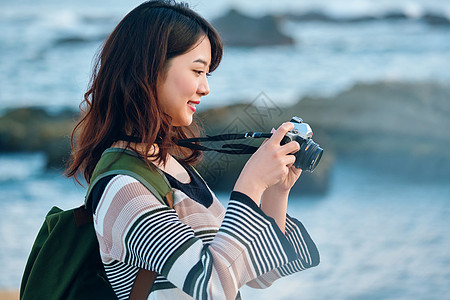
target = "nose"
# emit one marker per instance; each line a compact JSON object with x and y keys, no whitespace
{"x":203,"y":87}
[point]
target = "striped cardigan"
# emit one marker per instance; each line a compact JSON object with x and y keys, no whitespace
{"x":199,"y":252}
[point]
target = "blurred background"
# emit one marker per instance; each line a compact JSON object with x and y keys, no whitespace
{"x":371,"y":78}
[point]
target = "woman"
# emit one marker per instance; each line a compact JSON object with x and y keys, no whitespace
{"x":150,"y":76}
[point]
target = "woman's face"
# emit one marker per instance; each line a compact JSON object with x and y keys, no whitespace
{"x":185,"y":83}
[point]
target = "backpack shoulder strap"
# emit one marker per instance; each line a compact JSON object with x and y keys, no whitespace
{"x":117,"y":161}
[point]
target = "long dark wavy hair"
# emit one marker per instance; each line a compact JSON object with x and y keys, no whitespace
{"x":122,"y":99}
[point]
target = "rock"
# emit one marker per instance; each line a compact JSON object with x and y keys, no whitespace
{"x":237,"y":29}
{"x":222,"y":170}
{"x":395,"y":15}
{"x":33,"y":129}
{"x":319,"y":16}
{"x":77,"y":40}
{"x":58,"y":152}
{"x":310,"y":16}
{"x":399,"y":128}
{"x":402,"y":126}
{"x":380,"y":112}
{"x":435,"y":19}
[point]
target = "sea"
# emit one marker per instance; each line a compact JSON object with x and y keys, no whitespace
{"x":380,"y":236}
{"x":47,"y":49}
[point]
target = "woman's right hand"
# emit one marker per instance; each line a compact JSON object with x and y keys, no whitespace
{"x":268,"y":165}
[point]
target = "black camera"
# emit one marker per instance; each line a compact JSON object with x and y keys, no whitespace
{"x":309,"y":155}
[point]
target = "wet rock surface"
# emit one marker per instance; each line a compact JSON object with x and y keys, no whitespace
{"x":401,"y":128}
{"x":237,"y":29}
{"x":34,"y":129}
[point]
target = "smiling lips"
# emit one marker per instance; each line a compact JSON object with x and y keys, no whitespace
{"x":192,"y":105}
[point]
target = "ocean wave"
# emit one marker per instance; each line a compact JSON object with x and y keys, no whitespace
{"x":336,"y":8}
{"x":19,"y":166}
{"x":46,"y":53}
{"x":86,"y":28}
{"x":76,"y":26}
{"x":430,"y":18}
{"x":64,"y":18}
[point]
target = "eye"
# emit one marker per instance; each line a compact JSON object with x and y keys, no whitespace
{"x":201,"y":72}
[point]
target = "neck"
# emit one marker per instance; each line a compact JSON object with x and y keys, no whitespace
{"x":139,"y":148}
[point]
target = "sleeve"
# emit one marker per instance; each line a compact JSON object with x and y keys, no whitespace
{"x":307,"y":255}
{"x":135,"y":228}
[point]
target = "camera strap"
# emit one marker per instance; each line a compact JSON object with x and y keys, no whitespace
{"x":194,"y":143}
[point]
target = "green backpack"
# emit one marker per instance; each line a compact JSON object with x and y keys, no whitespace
{"x":65,"y":262}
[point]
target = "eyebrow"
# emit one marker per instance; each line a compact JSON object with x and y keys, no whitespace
{"x":201,"y":61}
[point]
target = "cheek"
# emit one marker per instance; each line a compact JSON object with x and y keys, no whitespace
{"x":184,"y":84}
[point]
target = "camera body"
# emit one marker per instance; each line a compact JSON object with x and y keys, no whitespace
{"x":309,"y":155}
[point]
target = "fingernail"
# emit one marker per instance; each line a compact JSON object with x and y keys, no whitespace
{"x":273,"y":130}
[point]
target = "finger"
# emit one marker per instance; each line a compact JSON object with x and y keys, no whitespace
{"x":290,"y":147}
{"x":296,"y":171}
{"x":278,"y":135}
{"x":288,"y":160}
{"x":265,"y":140}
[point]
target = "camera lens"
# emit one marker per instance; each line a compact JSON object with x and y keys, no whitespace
{"x":309,"y":155}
